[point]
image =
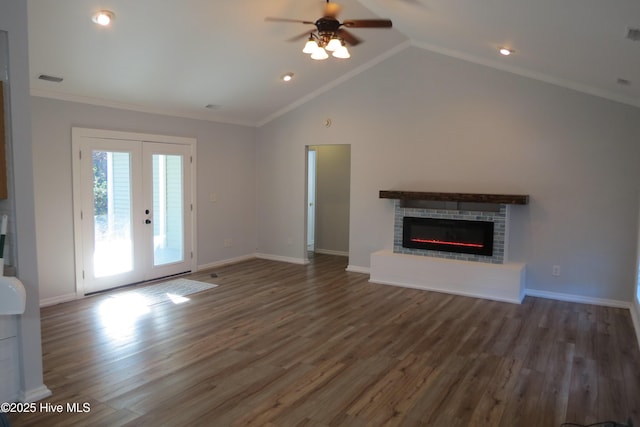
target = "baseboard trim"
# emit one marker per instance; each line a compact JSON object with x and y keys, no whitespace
{"x":577,"y":298}
{"x":227,"y":261}
{"x":358,"y":269}
{"x":290,"y":260}
{"x":34,"y":394}
{"x":58,"y":300}
{"x":330,"y":252}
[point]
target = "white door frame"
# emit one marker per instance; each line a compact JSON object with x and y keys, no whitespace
{"x":80,"y":134}
{"x":311,"y":198}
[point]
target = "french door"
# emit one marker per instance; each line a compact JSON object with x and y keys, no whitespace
{"x":135,"y":211}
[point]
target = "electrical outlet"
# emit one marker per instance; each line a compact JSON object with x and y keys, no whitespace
{"x":555,"y":272}
{"x":228,"y":243}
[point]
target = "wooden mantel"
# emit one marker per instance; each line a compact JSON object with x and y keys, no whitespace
{"x":503,"y":199}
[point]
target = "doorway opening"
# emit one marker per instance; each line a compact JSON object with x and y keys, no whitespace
{"x":328,"y":169}
{"x":311,"y":199}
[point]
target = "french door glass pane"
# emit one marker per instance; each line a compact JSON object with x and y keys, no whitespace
{"x":167,"y":209}
{"x":113,"y":243}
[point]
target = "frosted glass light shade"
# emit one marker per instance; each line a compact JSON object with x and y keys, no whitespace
{"x":342,"y":53}
{"x":310,"y":47}
{"x":319,"y":54}
{"x":333,"y":45}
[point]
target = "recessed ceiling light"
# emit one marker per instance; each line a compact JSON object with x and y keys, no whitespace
{"x":103,"y":17}
{"x":505,"y":51}
{"x":287,"y":77}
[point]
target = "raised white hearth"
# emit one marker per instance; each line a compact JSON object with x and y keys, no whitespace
{"x":499,"y":282}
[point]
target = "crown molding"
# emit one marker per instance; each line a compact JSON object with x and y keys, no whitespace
{"x":137,"y":107}
{"x":502,"y":66}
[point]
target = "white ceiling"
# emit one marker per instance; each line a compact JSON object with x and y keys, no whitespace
{"x":175,"y":57}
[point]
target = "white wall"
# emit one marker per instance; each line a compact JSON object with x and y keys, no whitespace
{"x":333,"y":176}
{"x":225,"y":166}
{"x":13,"y":19}
{"x":424,"y":121}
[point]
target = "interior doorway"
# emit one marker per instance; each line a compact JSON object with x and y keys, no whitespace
{"x":311,"y":199}
{"x":328,"y":199}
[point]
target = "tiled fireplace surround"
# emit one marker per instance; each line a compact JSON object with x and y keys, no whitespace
{"x":491,"y":277}
{"x":500,"y":221}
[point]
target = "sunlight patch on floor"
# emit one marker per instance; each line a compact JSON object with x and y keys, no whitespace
{"x":119,"y":313}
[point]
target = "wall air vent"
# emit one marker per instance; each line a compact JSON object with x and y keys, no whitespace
{"x":49,"y":78}
{"x":633,"y":34}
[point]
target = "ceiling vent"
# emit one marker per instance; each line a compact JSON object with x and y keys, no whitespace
{"x":49,"y":78}
{"x":633,"y":34}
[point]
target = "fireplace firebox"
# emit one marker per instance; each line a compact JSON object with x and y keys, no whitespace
{"x":448,"y":235}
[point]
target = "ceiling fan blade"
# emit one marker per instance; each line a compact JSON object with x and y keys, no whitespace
{"x":348,"y":37}
{"x":331,"y":9}
{"x":367,"y":23}
{"x":299,"y":21}
{"x":299,"y":37}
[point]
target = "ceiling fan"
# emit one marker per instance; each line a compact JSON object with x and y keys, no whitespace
{"x":330,"y":34}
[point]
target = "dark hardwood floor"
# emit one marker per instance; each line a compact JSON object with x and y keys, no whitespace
{"x":279,"y":344}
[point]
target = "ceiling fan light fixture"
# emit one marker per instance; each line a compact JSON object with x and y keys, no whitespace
{"x":334,"y":44}
{"x":342,"y":53}
{"x":311,"y":46}
{"x":103,"y":17}
{"x":329,"y":34}
{"x":320,"y":54}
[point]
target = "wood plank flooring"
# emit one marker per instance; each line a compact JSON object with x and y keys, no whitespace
{"x":279,"y":344}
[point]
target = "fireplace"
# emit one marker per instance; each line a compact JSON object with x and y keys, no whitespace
{"x":448,"y":235}
{"x":429,"y":263}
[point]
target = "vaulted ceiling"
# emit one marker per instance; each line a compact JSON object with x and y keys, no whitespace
{"x":176,"y":57}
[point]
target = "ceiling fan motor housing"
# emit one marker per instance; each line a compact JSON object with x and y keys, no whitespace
{"x":328,"y":25}
{"x":327,"y":29}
